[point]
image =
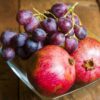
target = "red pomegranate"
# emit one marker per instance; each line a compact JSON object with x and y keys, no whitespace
{"x":53,"y":71}
{"x":87,"y":58}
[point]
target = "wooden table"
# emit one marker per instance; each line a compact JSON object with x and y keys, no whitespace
{"x":11,"y":88}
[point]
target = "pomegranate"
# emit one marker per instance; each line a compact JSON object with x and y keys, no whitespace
{"x":53,"y":71}
{"x":87,"y":58}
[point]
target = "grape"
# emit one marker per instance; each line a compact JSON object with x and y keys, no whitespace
{"x":71,"y":44}
{"x":59,"y":9}
{"x":57,"y":39}
{"x":34,"y":23}
{"x":6,"y":37}
{"x":80,"y":32}
{"x":65,"y":24}
{"x":69,"y":16}
{"x":39,"y":34}
{"x":70,"y":33}
{"x":19,"y":40}
{"x":31,"y":46}
{"x":40,"y":45}
{"x":24,"y":17}
{"x":76,"y":19}
{"x":49,"y":25}
{"x":8,"y":53}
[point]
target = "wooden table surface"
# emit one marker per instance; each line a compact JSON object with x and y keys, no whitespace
{"x":11,"y":88}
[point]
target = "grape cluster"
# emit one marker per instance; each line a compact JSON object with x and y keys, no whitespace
{"x":56,"y":26}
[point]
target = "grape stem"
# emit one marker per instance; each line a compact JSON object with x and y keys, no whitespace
{"x":48,"y":12}
{"x":73,"y":23}
{"x":78,"y":18}
{"x":39,"y":13}
{"x":38,"y":16}
{"x":69,"y":31}
{"x":73,"y":20}
{"x":71,"y":9}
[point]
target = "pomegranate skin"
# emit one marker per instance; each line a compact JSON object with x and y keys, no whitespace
{"x":53,"y":71}
{"x":87,"y":58}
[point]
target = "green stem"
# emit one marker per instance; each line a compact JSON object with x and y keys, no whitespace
{"x":73,"y":20}
{"x":48,"y":12}
{"x":73,"y":23}
{"x":39,"y":13}
{"x":71,"y":9}
{"x":69,"y":31}
{"x":78,"y":18}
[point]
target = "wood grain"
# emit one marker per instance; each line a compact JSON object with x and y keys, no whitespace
{"x":8,"y":80}
{"x":10,"y":88}
{"x":98,"y":2}
{"x":88,"y":12}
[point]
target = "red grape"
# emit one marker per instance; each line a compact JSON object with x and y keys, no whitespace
{"x":49,"y":25}
{"x":65,"y":24}
{"x":39,"y":34}
{"x":59,"y":9}
{"x":71,"y":44}
{"x":80,"y":32}
{"x":57,"y":39}
{"x":8,"y":53}
{"x":24,"y":17}
{"x":19,"y":40}
{"x":6,"y":37}
{"x":76,"y":19}
{"x":31,"y":46}
{"x":70,"y":33}
{"x":34,"y":23}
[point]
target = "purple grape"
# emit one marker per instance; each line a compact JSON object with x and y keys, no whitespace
{"x":49,"y":25}
{"x":69,"y":16}
{"x":8,"y":53}
{"x":59,"y":9}
{"x":39,"y":34}
{"x":71,"y":44}
{"x":22,"y":53}
{"x":80,"y":32}
{"x":65,"y":24}
{"x":24,"y":17}
{"x":76,"y":19}
{"x":70,"y":33}
{"x":34,"y":23}
{"x":40,"y":45}
{"x":31,"y":46}
{"x":19,"y":40}
{"x":6,"y":37}
{"x":57,"y":39}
